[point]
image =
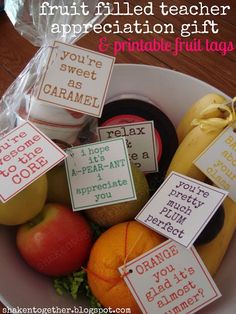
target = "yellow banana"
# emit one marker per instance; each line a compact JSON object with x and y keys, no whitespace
{"x":195,"y":111}
{"x":204,"y":131}
{"x":189,"y":149}
{"x":212,"y":253}
{"x":193,"y":144}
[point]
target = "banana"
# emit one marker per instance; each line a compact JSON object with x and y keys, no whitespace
{"x":212,"y":253}
{"x":205,"y":129}
{"x":189,"y":149}
{"x":195,"y":111}
{"x":193,"y":144}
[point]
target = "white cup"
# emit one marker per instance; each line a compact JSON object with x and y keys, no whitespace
{"x":57,"y":123}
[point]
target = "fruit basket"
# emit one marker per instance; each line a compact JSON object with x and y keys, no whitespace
{"x":31,"y":289}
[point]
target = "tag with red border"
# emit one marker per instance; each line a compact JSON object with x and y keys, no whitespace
{"x":76,"y":78}
{"x":26,"y":154}
{"x":170,"y":279}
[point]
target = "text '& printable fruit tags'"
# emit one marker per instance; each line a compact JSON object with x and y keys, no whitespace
{"x":99,"y":174}
{"x":181,"y":208}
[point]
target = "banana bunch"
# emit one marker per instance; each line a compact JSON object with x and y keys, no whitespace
{"x":195,"y":112}
{"x":189,"y":149}
{"x":201,"y":124}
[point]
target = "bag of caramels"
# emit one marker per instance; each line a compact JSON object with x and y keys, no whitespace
{"x":65,"y":127}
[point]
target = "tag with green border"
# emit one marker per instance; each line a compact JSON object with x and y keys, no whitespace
{"x":99,"y":174}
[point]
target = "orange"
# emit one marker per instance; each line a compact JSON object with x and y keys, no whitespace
{"x":116,"y":246}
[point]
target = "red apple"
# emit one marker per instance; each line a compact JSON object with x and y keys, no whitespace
{"x":56,"y":242}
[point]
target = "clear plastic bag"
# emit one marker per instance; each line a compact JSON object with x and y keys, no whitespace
{"x":19,"y":102}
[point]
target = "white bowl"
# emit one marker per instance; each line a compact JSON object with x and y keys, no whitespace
{"x":173,"y":92}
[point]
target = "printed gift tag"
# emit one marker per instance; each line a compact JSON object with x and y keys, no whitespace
{"x":170,"y":279}
{"x":76,"y":78}
{"x":140,"y":141}
{"x":218,"y":161}
{"x":99,"y":174}
{"x":26,"y":154}
{"x":181,"y":208}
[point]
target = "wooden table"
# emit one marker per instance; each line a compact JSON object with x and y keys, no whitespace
{"x":213,"y":68}
{"x":210,"y":67}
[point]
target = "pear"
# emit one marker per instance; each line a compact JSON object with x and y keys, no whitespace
{"x":109,"y":215}
{"x":26,"y":204}
{"x":58,"y":190}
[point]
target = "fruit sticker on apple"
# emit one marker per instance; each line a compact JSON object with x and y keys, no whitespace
{"x":26,"y":154}
{"x":99,"y":174}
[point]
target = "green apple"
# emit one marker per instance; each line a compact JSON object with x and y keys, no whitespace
{"x":109,"y":215}
{"x":58,"y":190}
{"x":24,"y":205}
